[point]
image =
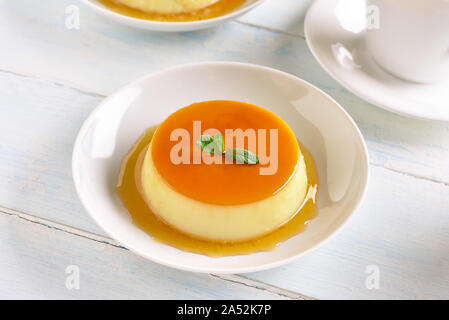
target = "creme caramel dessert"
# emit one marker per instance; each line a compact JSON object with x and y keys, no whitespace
{"x":210,"y":203}
{"x":172,"y":10}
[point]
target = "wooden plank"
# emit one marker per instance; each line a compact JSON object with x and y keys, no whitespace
{"x":402,"y":229}
{"x":38,"y":127}
{"x":102,"y":56}
{"x":35,"y":258}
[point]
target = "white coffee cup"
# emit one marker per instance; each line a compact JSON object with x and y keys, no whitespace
{"x":411,"y":38}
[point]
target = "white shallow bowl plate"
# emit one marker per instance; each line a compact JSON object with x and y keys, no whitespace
{"x":336,"y":36}
{"x":321,"y":124}
{"x":171,"y":26}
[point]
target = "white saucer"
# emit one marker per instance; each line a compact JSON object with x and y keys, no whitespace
{"x":333,"y":140}
{"x":170,"y":26}
{"x":335,"y":36}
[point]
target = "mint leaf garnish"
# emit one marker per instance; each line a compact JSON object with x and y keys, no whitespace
{"x":241,"y":156}
{"x":212,"y":145}
{"x":215,"y":145}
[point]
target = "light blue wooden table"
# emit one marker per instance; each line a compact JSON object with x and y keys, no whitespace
{"x":51,"y":78}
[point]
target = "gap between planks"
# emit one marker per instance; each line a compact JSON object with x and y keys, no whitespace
{"x":283,"y":32}
{"x":411,"y":175}
{"x":238,"y":279}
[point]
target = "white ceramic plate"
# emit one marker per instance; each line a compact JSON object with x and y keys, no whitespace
{"x":320,"y":123}
{"x":170,"y":26}
{"x":335,"y":35}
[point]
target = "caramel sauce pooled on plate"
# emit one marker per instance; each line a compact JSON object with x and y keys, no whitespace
{"x":129,"y":191}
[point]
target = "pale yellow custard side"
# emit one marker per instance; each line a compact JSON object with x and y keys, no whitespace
{"x":226,"y":223}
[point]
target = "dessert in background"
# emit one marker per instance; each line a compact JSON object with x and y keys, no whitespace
{"x":172,"y":10}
